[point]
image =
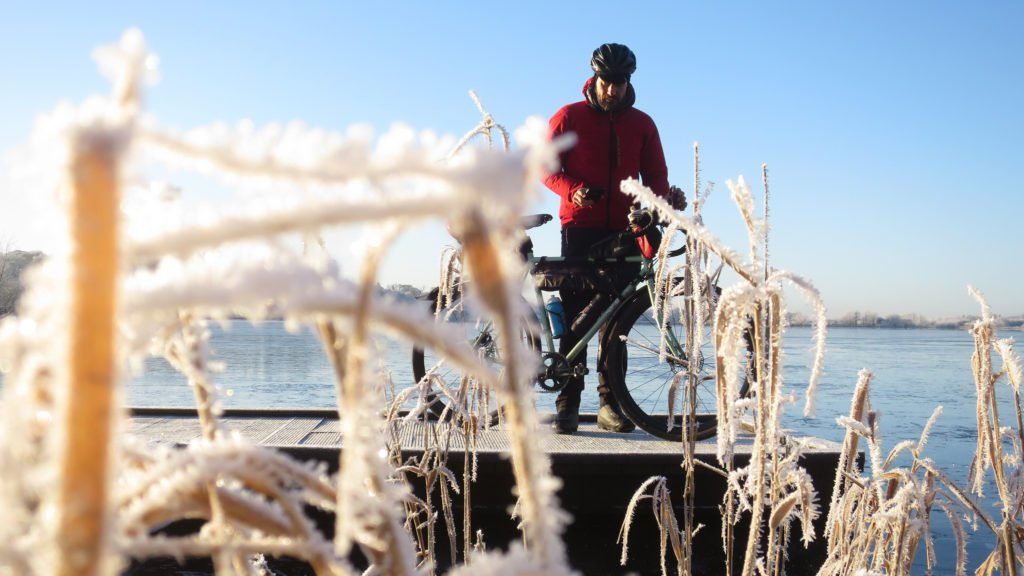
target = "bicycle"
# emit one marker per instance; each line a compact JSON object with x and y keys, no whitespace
{"x":630,"y":351}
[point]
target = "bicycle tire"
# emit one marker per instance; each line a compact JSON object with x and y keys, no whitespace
{"x":640,"y":383}
{"x":486,"y":345}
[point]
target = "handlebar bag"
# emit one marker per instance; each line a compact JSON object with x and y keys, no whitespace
{"x":548,"y":276}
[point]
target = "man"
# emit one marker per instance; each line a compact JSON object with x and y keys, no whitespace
{"x":615,"y":141}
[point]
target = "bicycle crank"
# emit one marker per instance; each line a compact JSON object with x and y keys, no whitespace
{"x":556,"y":372}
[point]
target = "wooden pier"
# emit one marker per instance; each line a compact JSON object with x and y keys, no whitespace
{"x":600,"y":471}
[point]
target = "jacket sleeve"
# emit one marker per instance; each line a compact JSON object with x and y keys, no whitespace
{"x":653,"y":170}
{"x":560,"y":182}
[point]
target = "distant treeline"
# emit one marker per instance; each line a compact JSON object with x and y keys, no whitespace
{"x":12,"y":263}
{"x":872,"y":320}
{"x":401,"y":291}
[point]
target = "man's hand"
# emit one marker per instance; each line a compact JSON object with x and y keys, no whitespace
{"x":676,"y":198}
{"x":579,"y":198}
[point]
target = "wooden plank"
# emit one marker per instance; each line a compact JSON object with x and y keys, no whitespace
{"x":322,"y":439}
{"x":328,"y":425}
{"x":140,"y":423}
{"x":292,"y":432}
{"x":255,"y":429}
{"x":172,"y":430}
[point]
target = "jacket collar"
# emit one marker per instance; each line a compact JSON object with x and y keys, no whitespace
{"x":590,"y":93}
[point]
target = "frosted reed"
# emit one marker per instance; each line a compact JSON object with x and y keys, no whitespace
{"x":998,"y":448}
{"x":218,"y":262}
{"x":878,"y":522}
{"x":89,"y":399}
{"x":748,"y":322}
{"x":485,"y":128}
{"x":494,"y":272}
{"x":668,"y":528}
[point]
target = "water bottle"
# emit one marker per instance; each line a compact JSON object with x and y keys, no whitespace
{"x":556,"y":314}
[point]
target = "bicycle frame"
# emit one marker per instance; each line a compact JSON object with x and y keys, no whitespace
{"x":642,"y":278}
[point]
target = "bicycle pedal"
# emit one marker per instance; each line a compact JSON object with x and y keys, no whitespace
{"x":580,"y":370}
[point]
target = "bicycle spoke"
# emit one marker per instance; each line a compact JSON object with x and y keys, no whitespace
{"x":655,"y":366}
{"x":656,"y":352}
{"x":652,"y":328}
{"x":644,"y":403}
{"x":633,"y":386}
{"x":641,"y":370}
{"x":641,"y":386}
{"x":702,"y":402}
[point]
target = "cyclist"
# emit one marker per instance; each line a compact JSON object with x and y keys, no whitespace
{"x":615,"y":141}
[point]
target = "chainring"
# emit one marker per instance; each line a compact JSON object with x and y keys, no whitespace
{"x":555,"y":372}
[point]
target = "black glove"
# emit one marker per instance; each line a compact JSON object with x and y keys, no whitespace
{"x":676,"y":198}
{"x":640,"y":219}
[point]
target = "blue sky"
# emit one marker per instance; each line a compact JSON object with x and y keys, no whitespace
{"x":892,"y":131}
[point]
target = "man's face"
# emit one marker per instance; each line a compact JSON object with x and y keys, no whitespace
{"x":609,"y":94}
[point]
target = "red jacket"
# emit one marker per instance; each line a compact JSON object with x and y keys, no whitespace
{"x":610,"y":147}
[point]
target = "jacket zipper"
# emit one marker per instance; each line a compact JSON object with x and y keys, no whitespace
{"x":612,"y":150}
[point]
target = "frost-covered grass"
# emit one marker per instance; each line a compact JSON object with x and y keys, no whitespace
{"x":140,"y":276}
{"x":82,"y":496}
{"x":747,"y":323}
{"x":878,"y":522}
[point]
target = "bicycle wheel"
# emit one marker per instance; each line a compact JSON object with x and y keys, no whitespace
{"x":482,"y":336}
{"x":641,"y":383}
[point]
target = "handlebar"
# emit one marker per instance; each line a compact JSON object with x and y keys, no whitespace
{"x":641,"y":221}
{"x":677,"y":251}
{"x":534,"y":220}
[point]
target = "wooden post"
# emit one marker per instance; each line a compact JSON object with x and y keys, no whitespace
{"x":88,"y":402}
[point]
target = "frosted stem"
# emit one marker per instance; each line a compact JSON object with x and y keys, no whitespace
{"x":530,"y":465}
{"x":90,"y":401}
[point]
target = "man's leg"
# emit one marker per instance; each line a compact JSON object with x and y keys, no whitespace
{"x":567,"y":404}
{"x":604,"y":391}
{"x":575,"y":244}
{"x":609,"y":416}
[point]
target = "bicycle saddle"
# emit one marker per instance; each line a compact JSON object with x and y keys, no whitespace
{"x":534,"y":220}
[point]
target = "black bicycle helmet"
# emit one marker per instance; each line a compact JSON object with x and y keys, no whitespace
{"x":613,"y":61}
